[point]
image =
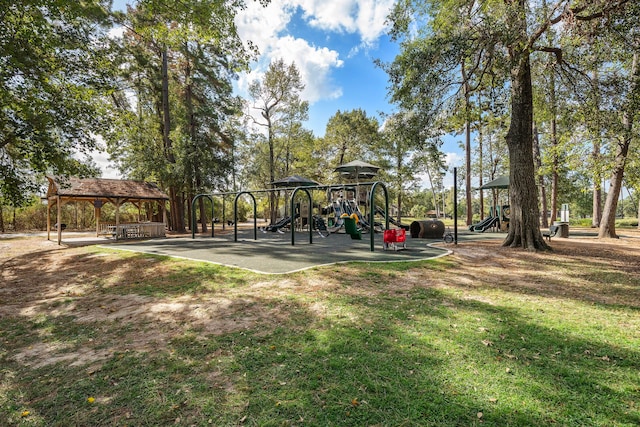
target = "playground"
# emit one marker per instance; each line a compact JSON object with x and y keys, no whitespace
{"x":272,"y":252}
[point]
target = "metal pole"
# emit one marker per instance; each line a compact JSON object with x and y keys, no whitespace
{"x":371,"y":212}
{"x":455,"y":206}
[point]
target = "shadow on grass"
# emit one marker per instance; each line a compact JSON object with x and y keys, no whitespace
{"x":366,"y":356}
{"x":424,"y":358}
{"x":43,"y":274}
{"x":602,"y":276}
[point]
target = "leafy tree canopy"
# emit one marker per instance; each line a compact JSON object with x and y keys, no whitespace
{"x":54,"y":69}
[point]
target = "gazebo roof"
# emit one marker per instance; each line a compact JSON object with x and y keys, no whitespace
{"x":104,"y":188}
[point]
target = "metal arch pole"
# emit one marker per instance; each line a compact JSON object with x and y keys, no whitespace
{"x":235,"y":216}
{"x":213,"y":217}
{"x":255,"y":217}
{"x":372,"y":211}
{"x":193,"y":214}
{"x":292,"y":204}
{"x":224,"y":214}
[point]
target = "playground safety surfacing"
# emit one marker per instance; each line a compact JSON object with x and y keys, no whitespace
{"x":272,"y":253}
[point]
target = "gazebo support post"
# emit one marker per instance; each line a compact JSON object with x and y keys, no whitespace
{"x":117,"y":216}
{"x":48,"y":218}
{"x":98,"y":211}
{"x":163,"y":208}
{"x":58,"y":219}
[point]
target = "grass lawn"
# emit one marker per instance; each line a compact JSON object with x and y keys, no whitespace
{"x":488,"y":336}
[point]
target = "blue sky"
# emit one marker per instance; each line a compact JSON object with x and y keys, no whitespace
{"x":334,"y":44}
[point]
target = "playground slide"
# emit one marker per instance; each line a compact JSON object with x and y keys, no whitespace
{"x":362,"y":222}
{"x":338,"y":222}
{"x":380,"y":212}
{"x":280,"y":224}
{"x":482,"y":226}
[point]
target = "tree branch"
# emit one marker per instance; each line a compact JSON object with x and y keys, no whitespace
{"x":568,"y":11}
{"x":555,"y":50}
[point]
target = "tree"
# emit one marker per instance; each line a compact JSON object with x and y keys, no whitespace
{"x":406,"y":149}
{"x":630,"y":111}
{"x":347,"y":133}
{"x":179,"y":60}
{"x":54,"y":74}
{"x":503,"y":33}
{"x":277,"y":98}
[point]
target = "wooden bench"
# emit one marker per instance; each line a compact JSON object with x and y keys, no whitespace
{"x":553,"y":230}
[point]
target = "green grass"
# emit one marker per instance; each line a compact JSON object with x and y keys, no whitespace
{"x":374,"y":356}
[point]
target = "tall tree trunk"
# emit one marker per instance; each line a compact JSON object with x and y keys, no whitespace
{"x":554,"y":149}
{"x":608,"y":223}
{"x":193,"y":135}
{"x":177,"y":208}
{"x":596,"y":214}
{"x":1,"y":219}
{"x":524,"y":227}
{"x":398,"y":168}
{"x":481,"y":171}
{"x":544,"y":221}
{"x":272,"y":176}
{"x":467,"y":143}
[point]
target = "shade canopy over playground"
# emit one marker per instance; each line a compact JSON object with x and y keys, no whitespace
{"x":294,"y":181}
{"x":357,"y":169}
{"x":99,"y":191}
{"x":500,"y":182}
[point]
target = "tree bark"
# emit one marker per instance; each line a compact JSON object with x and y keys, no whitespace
{"x":398,"y":168}
{"x":481,"y":171}
{"x":524,"y":228}
{"x":272,"y":176}
{"x":554,"y":152}
{"x":608,"y":223}
{"x":596,"y":214}
{"x":177,"y":208}
{"x":467,"y":144}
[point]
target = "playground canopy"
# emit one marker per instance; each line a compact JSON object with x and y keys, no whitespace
{"x":294,"y":181}
{"x":500,"y":182}
{"x":357,"y":169}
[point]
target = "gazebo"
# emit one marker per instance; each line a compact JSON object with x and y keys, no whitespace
{"x":99,"y":191}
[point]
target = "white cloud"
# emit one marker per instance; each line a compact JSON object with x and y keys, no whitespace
{"x":453,"y":159}
{"x":371,"y":20}
{"x":266,"y":28}
{"x":336,"y":16}
{"x":315,"y":65}
{"x":106,"y":166}
{"x":364,"y":17}
{"x":116,"y":33}
{"x":262,"y":25}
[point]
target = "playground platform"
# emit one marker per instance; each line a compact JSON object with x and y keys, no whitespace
{"x":272,"y":253}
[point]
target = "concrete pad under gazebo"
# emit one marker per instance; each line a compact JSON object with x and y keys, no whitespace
{"x":99,"y":191}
